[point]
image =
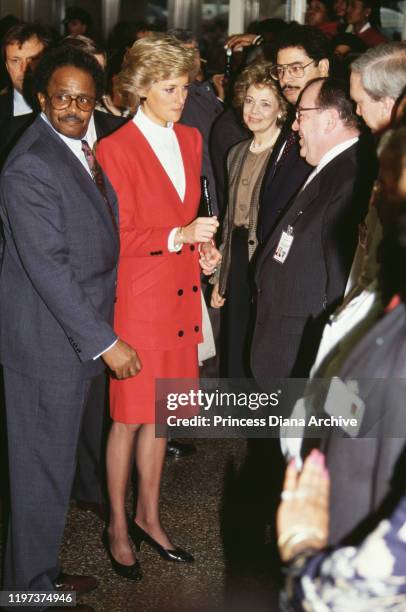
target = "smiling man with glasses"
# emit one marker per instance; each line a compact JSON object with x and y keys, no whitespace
{"x":303,"y":269}
{"x":57,"y":289}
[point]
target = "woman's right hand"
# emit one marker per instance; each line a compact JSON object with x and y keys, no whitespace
{"x":217,"y":300}
{"x":201,"y":229}
{"x":303,"y":515}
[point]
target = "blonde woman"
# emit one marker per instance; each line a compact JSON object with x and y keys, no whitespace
{"x":264,"y":111}
{"x":154,"y":166}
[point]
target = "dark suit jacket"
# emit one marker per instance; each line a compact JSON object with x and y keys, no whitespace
{"x":57,"y":282}
{"x":202,"y":107}
{"x":106,"y":123}
{"x":226,"y":132}
{"x":10,"y":127}
{"x":295,"y":298}
{"x":282,"y":182}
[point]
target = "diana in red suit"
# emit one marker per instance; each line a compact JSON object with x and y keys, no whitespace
{"x":154,"y":167}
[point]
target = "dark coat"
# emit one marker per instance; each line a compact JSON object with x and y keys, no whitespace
{"x":226,"y":132}
{"x":202,"y":107}
{"x":282,"y":181}
{"x":295,"y":298}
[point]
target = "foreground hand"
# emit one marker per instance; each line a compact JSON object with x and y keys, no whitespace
{"x":238,"y":41}
{"x":201,"y":229}
{"x":217,"y":300}
{"x":210,"y":257}
{"x":123,"y":360}
{"x":303,"y":514}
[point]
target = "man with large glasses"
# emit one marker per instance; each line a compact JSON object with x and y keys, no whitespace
{"x":301,"y":54}
{"x":57,"y":288}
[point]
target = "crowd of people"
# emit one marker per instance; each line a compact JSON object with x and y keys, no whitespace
{"x":106,"y":253}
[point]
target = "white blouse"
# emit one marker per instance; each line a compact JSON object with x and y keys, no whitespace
{"x":165,"y":145}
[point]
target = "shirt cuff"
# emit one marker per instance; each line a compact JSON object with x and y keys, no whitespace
{"x":258,"y":40}
{"x":106,"y":349}
{"x":173,"y":247}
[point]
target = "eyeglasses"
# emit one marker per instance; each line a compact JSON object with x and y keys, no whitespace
{"x":301,"y":109}
{"x":62,"y":101}
{"x":295,"y":70}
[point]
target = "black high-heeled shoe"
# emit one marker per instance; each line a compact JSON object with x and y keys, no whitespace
{"x":138,"y":536}
{"x":131,"y":572}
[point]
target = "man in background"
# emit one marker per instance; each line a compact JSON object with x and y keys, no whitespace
{"x":22,"y":48}
{"x":77,"y":21}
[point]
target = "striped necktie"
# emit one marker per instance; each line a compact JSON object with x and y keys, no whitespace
{"x":97,"y":175}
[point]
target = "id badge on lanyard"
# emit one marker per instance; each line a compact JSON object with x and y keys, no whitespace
{"x":284,"y":245}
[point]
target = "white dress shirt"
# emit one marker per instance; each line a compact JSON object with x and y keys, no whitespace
{"x":20,"y":106}
{"x":91,"y":135}
{"x":165,"y":145}
{"x":75,"y":145}
{"x":328,"y":157}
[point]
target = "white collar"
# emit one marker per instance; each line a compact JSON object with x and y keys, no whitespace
{"x":365,"y":27}
{"x":334,"y":152}
{"x":91,"y":134}
{"x":146,"y":125}
{"x":351,"y":30}
{"x":73,"y":143}
{"x":20,"y":105}
{"x":328,"y":157}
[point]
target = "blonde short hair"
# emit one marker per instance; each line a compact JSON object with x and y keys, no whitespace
{"x":152,"y":59}
{"x":258,"y":73}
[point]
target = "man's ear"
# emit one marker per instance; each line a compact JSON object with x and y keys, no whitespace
{"x":332,"y":117}
{"x":41,"y":100}
{"x":324,"y":67}
{"x":388,"y":103}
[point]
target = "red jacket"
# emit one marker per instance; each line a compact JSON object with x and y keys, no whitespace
{"x":372,"y":37}
{"x":158,"y":292}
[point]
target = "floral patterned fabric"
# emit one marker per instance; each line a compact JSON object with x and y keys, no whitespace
{"x":369,"y":578}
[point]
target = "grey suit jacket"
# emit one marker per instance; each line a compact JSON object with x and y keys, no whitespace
{"x":295,"y":298}
{"x":57,"y":282}
{"x":368,"y":474}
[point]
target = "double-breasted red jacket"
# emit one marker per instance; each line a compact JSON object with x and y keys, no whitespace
{"x":158,"y":292}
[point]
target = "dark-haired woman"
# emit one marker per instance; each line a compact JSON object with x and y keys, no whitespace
{"x":363,"y":20}
{"x":320,"y":14}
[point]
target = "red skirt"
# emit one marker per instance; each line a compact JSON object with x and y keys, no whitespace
{"x":132,"y":400}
